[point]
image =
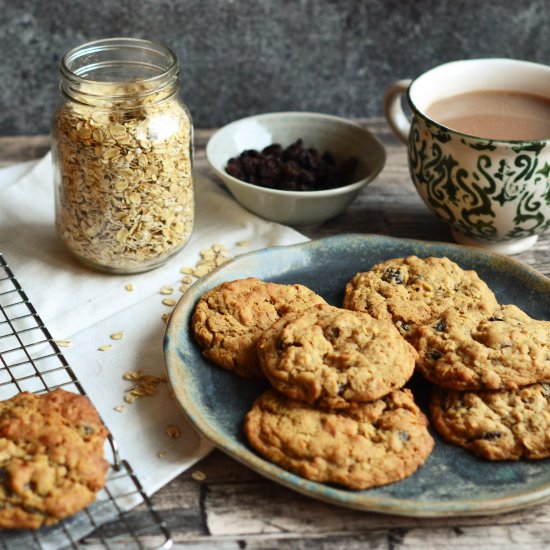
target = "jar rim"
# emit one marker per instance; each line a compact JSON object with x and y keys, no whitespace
{"x":156,"y":49}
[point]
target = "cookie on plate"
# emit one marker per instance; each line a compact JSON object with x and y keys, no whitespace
{"x":467,"y":350}
{"x":412,"y":291}
{"x":333,"y":357}
{"x":366,"y":445}
{"x":496,"y":425}
{"x":229,"y":319}
{"x":51,"y":457}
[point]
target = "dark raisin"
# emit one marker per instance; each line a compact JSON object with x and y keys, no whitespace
{"x":348,"y":167}
{"x":403,"y":435}
{"x":392,"y":275}
{"x":280,"y":345}
{"x":441,"y":326}
{"x":328,"y":158}
{"x":248,"y":167}
{"x":341,"y":389}
{"x":307,"y":179}
{"x":273,"y":150}
{"x":307,"y":160}
{"x":496,"y":319}
{"x":335,"y":332}
{"x":294,"y":168}
{"x":250,"y":153}
{"x":233,"y":168}
{"x":434,"y":354}
{"x":294,"y":151}
{"x":489,"y":436}
{"x":290,"y":170}
{"x":405,"y":326}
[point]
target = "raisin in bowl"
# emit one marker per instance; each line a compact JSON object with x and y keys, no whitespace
{"x":302,"y":168}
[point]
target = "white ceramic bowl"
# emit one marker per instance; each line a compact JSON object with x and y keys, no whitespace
{"x":341,"y":137}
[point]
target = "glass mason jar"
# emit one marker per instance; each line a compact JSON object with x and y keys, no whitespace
{"x":122,"y":145}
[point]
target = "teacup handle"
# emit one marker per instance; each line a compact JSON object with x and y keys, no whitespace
{"x":398,"y":121}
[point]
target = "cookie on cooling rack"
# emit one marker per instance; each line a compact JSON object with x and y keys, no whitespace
{"x":229,"y":319}
{"x":470,"y":350}
{"x":412,"y":291}
{"x":497,"y":425}
{"x":365,"y":445}
{"x":332,"y":357}
{"x":51,"y":457}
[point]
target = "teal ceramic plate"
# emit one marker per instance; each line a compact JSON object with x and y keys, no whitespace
{"x":452,"y":481}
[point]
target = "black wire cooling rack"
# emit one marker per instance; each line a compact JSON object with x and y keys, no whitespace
{"x":30,"y":360}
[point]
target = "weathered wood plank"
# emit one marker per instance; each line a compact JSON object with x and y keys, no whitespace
{"x":238,"y":504}
{"x":479,"y":538}
{"x":260,"y":508}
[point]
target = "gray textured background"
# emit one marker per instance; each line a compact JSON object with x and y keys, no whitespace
{"x":240,"y":57}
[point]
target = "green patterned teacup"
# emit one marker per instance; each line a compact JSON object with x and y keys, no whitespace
{"x":494,"y":193}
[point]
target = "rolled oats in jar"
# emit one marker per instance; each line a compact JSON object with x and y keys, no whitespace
{"x":122,"y":155}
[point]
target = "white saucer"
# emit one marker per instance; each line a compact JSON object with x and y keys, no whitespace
{"x":513,"y":246}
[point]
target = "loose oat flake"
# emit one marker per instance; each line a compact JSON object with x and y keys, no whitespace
{"x":105,"y":347}
{"x":197,"y":475}
{"x":117,"y":335}
{"x":211,"y":258}
{"x":146,"y":384}
{"x":170,"y":302}
{"x":63,"y":343}
{"x":129,"y":287}
{"x":166,"y":290}
{"x":133,"y":375}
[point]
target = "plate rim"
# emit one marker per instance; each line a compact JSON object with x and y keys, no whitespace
{"x":327,"y":492}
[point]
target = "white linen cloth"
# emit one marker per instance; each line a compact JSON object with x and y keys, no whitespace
{"x":86,"y":307}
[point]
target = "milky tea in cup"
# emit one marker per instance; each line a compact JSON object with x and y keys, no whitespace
{"x":479,"y":148}
{"x":503,"y":115}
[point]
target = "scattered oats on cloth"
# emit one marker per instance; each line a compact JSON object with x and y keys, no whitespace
{"x":87,"y":308}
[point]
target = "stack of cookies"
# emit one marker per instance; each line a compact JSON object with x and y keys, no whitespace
{"x":229,"y":319}
{"x":337,"y":411}
{"x":487,"y":362}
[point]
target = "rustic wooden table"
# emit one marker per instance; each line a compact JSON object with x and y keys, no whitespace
{"x":229,"y":506}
